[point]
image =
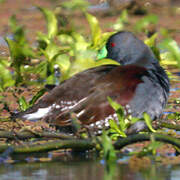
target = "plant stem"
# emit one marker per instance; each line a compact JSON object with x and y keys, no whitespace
{"x":146,"y":137}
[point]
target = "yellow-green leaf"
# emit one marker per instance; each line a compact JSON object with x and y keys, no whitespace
{"x":51,"y":21}
{"x":95,"y":28}
{"x":148,"y":121}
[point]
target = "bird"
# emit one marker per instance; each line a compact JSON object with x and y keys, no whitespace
{"x":139,"y":84}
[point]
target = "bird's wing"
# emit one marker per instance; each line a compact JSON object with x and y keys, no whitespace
{"x":66,"y":95}
{"x":135,"y":90}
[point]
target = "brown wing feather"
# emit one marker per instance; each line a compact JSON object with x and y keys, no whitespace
{"x":96,"y":107}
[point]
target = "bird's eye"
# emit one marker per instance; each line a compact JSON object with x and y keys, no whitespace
{"x":113,"y":44}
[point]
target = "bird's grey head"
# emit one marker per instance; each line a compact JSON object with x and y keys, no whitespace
{"x":126,"y":48}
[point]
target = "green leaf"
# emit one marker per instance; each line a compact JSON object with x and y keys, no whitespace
{"x":65,"y":39}
{"x":124,"y":16}
{"x":51,"y":51}
{"x":134,"y":120}
{"x":143,"y":23}
{"x":20,"y":50}
{"x":6,"y":78}
{"x":50,"y":79}
{"x":78,"y":37}
{"x":148,"y":121}
{"x":41,"y":69}
{"x":102,"y":41}
{"x":172,"y":46}
{"x":165,"y":32}
{"x":119,"y":24}
{"x":174,"y":116}
{"x":114,"y":104}
{"x":168,"y":59}
{"x":18,"y":58}
{"x":102,"y":53}
{"x":16,"y":52}
{"x":64,"y":63}
{"x":120,"y":114}
{"x":43,"y":40}
{"x":51,"y":21}
{"x":151,"y":42}
{"x":108,"y":148}
{"x":79,"y":44}
{"x":73,"y":5}
{"x":95,"y":29}
{"x":23,"y":105}
{"x":151,"y":147}
{"x":116,"y":128}
{"x":101,"y":62}
{"x":119,"y":110}
{"x":83,"y":60}
{"x":36,"y":97}
{"x":18,"y":31}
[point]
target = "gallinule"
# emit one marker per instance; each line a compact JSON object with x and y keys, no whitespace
{"x":140,"y":84}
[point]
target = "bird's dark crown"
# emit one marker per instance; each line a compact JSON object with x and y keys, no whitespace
{"x":126,"y":48}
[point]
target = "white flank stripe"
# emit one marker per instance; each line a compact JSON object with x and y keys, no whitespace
{"x":41,"y":112}
{"x":80,"y":113}
{"x":74,"y":104}
{"x":78,"y":102}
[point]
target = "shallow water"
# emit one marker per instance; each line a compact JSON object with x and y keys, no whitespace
{"x":89,"y":170}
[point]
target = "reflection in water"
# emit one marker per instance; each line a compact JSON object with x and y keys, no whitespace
{"x":90,"y":170}
{"x":175,"y":173}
